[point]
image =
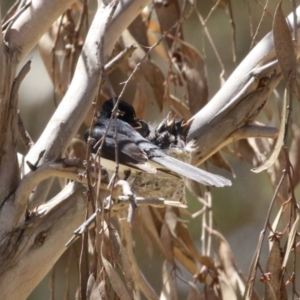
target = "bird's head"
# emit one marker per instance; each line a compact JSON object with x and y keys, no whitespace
{"x":125,"y":111}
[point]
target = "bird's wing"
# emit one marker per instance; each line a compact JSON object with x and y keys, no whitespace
{"x":129,"y":154}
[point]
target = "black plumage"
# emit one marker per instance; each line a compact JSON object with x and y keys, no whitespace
{"x":134,"y":151}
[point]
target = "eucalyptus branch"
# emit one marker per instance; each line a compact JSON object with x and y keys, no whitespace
{"x":29,"y":27}
{"x":70,"y":113}
{"x":16,"y":209}
{"x":117,"y":207}
{"x":233,"y":119}
{"x":251,"y":72}
{"x":39,"y":242}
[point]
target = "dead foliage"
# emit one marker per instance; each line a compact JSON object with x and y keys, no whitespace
{"x":168,"y":73}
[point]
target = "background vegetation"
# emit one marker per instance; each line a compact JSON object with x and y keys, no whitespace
{"x":199,"y":47}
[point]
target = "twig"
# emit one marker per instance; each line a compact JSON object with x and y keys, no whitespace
{"x":33,"y":167}
{"x":119,"y":58}
{"x":53,"y":65}
{"x":10,"y":21}
{"x":138,"y":277}
{"x":259,"y":24}
{"x":83,"y":228}
{"x":254,"y":264}
{"x":233,"y":31}
{"x":179,"y":22}
{"x":100,"y":59}
{"x":109,"y":67}
{"x":11,"y":11}
{"x":77,"y":101}
{"x":75,"y":38}
{"x":25,"y":136}
{"x":255,"y":131}
{"x":208,"y":36}
{"x":16,"y":85}
{"x":49,"y":169}
{"x":52,"y":283}
{"x":118,"y":206}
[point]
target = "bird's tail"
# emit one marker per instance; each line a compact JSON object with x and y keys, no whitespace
{"x":190,"y":171}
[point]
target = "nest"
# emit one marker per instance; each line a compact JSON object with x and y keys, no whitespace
{"x":159,"y":185}
{"x":162,"y":184}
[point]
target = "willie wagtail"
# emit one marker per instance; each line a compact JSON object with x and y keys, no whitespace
{"x":135,"y":151}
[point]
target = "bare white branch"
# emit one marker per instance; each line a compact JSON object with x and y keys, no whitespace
{"x":77,"y":101}
{"x":28,"y":28}
{"x":203,"y":131}
{"x":37,"y":245}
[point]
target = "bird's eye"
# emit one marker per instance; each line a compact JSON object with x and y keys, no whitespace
{"x":121,"y":113}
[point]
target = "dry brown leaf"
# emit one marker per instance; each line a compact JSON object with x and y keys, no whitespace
{"x":77,"y":148}
{"x":294,"y":153}
{"x":115,"y":280}
{"x":210,"y":294}
{"x":152,"y":33}
{"x":252,"y":271}
{"x":138,"y":30}
{"x":66,"y":72}
{"x":171,"y":219}
{"x":77,"y":5}
{"x":261,"y":146}
{"x":226,"y":288}
{"x":269,"y":111}
{"x":168,"y":233}
{"x":275,"y":174}
{"x":274,"y":227}
{"x":194,"y":71}
{"x":247,"y":150}
{"x":194,"y":293}
{"x":285,"y":50}
{"x":168,"y":13}
{"x":296,"y":87}
{"x":218,"y":160}
{"x":62,"y":38}
{"x":169,"y":290}
{"x":146,"y":222}
{"x":156,"y":79}
{"x":149,"y":75}
{"x":126,"y":266}
{"x":102,"y":290}
{"x":290,"y":242}
{"x":283,"y":45}
{"x":273,"y":271}
{"x":225,"y":255}
{"x":139,"y":279}
{"x":91,"y":286}
{"x":233,"y":280}
{"x":10,"y":13}
{"x":183,"y":247}
{"x":279,"y":142}
{"x":194,"y":188}
{"x":153,"y":26}
{"x":98,"y":292}
{"x":111,"y":242}
{"x":221,"y":3}
{"x":167,"y":242}
{"x":186,"y":241}
{"x":141,"y":96}
{"x":50,"y":59}
{"x":187,"y":262}
{"x":178,"y":107}
{"x":283,"y":291}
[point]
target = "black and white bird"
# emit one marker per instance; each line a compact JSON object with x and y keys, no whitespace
{"x":136,"y":152}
